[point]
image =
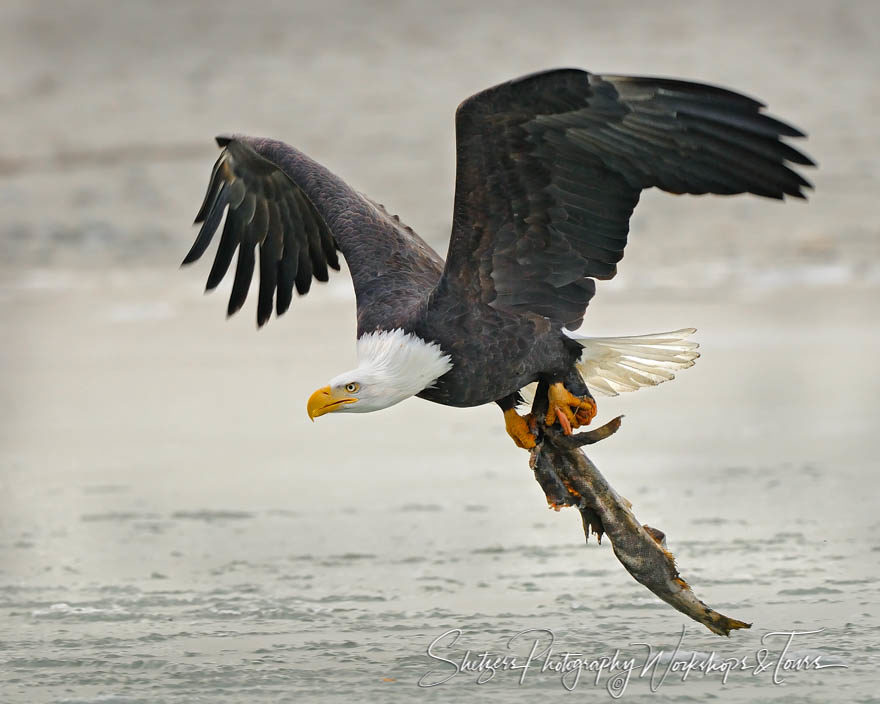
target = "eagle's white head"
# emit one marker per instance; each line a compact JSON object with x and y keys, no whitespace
{"x":392,"y":366}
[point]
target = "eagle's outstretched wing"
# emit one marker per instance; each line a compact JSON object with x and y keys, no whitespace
{"x":550,"y":167}
{"x":299,"y":214}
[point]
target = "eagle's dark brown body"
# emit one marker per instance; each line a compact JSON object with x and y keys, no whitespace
{"x":494,"y":353}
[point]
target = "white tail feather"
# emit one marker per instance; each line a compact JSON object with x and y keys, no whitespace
{"x":611,"y":365}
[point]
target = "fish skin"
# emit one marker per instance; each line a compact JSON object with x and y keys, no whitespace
{"x":569,"y":478}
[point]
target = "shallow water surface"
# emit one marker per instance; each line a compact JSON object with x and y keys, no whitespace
{"x":179,"y":531}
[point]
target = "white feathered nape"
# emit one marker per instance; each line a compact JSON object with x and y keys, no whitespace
{"x":611,"y":365}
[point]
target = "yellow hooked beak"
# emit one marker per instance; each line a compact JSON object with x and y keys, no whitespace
{"x":324,"y":401}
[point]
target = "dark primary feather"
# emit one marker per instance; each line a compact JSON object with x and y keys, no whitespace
{"x":550,"y":167}
{"x":299,"y":214}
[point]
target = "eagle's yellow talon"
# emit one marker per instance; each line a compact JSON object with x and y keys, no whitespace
{"x":571,"y":411}
{"x":587,"y":411}
{"x":519,"y":428}
{"x":563,"y":421}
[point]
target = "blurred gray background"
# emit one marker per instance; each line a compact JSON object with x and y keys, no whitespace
{"x":172,"y":528}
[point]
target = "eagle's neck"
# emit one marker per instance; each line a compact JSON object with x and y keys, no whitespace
{"x":401,"y":364}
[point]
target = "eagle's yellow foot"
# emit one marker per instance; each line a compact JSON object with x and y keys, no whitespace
{"x":519,"y":428}
{"x":571,"y":411}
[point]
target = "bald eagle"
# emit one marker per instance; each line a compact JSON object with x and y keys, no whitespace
{"x":549,"y":169}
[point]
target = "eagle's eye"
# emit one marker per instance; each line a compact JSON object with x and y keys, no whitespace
{"x":352,"y":387}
